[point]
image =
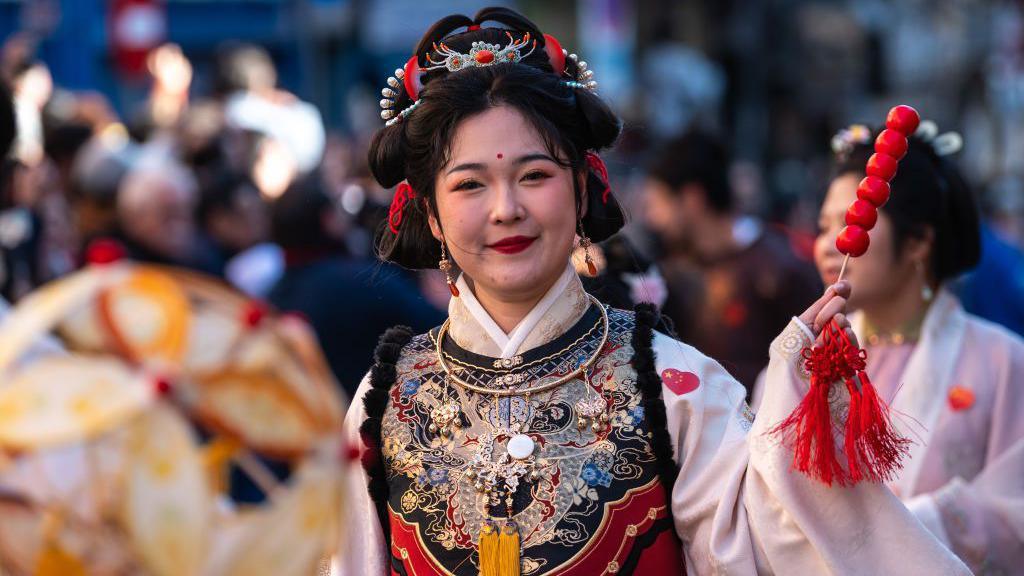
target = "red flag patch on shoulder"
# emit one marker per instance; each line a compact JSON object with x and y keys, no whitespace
{"x":680,"y":382}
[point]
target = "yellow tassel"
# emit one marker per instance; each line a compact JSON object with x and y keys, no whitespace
{"x":508,"y":550}
{"x":217,"y":459}
{"x":54,"y":561}
{"x":488,"y":550}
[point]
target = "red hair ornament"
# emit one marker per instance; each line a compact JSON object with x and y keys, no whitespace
{"x":411,"y":80}
{"x":556,"y":55}
{"x":403,"y":194}
{"x":595,"y":163}
{"x":873,"y":450}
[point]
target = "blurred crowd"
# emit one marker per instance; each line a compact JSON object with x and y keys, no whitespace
{"x":243,"y":180}
{"x":243,"y":183}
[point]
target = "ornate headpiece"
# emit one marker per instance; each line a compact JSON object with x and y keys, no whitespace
{"x":481,"y":54}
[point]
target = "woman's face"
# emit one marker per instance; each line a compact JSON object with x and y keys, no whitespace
{"x":507,"y":208}
{"x":876,"y":276}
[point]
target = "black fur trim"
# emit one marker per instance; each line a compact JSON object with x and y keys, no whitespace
{"x":649,"y":383}
{"x":382,"y":378}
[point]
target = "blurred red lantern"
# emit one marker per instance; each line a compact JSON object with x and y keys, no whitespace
{"x":136,"y":27}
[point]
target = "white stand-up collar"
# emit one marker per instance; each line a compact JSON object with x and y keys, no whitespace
{"x":507,"y":345}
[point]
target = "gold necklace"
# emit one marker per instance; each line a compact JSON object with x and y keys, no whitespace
{"x":501,"y":393}
{"x":908,"y":333}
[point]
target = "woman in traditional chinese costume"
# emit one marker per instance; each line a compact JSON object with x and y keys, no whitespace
{"x":954,"y":381}
{"x":537,"y":431}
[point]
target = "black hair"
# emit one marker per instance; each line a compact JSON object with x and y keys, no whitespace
{"x":8,"y":133}
{"x":239,"y":66}
{"x":296,"y":217}
{"x":571,"y":121}
{"x":8,"y":128}
{"x":928,"y":192}
{"x":63,"y":141}
{"x":695,"y":157}
{"x":221,"y":192}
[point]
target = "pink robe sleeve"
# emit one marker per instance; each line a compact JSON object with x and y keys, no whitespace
{"x":982,"y":519}
{"x":363,"y":550}
{"x":738,"y":507}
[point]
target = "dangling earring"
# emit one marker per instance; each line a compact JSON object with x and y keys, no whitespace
{"x":926,"y":290}
{"x":585,"y":245}
{"x":445,"y":265}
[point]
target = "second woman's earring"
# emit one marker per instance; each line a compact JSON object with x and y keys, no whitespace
{"x":926,"y":290}
{"x":445,"y":265}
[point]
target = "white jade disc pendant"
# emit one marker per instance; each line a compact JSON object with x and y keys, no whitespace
{"x":520,"y":446}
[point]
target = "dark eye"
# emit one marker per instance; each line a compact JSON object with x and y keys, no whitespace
{"x":467,"y":185}
{"x":535,"y":175}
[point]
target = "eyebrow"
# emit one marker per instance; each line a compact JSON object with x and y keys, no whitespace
{"x":518,"y":161}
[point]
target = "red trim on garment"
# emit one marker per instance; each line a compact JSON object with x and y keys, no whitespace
{"x":611,"y":543}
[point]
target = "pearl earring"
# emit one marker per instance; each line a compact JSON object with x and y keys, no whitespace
{"x":926,"y":290}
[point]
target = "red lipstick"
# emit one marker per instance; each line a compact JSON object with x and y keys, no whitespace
{"x":512,"y":244}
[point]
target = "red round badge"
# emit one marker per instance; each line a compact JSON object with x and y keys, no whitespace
{"x":960,"y":398}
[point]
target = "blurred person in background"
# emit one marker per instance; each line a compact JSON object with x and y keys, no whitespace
{"x":20,"y":227}
{"x":952,"y":379}
{"x":733,"y":283}
{"x":310,"y":228}
{"x":156,"y":221}
{"x":994,"y":290}
{"x":625,"y":277}
{"x":168,"y":99}
{"x":32,"y":86}
{"x":97,"y":171}
{"x":293,"y":131}
{"x":235,"y":218}
{"x":233,"y":215}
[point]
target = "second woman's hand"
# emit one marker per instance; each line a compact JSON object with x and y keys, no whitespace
{"x":831,"y":306}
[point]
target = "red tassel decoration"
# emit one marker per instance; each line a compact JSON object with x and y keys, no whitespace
{"x":872,"y":448}
{"x":808,"y":429}
{"x":878,"y":447}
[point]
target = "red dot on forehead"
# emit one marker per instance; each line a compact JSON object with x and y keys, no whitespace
{"x":500,"y":155}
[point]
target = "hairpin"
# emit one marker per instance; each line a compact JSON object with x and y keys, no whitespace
{"x":585,"y":76}
{"x":481,"y":54}
{"x":944,"y":144}
{"x":848,"y":138}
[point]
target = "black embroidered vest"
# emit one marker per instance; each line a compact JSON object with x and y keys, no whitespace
{"x":600,"y":502}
